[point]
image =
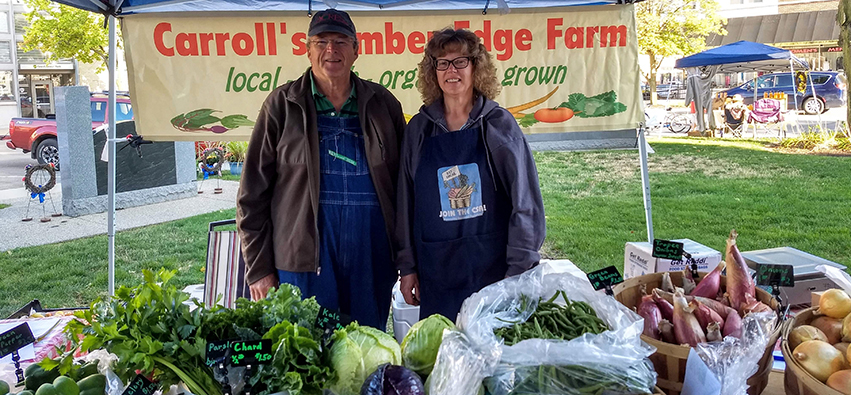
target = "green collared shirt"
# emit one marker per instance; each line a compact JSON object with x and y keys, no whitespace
{"x":324,"y":106}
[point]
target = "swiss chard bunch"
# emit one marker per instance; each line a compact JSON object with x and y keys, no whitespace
{"x":297,"y":365}
{"x":150,"y":329}
{"x":602,"y":105}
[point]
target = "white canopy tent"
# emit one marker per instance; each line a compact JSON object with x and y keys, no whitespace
{"x":113,"y":9}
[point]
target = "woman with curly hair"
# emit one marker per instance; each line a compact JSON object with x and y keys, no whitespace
{"x":469,"y":206}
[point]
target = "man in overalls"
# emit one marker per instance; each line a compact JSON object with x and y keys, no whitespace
{"x":316,"y":199}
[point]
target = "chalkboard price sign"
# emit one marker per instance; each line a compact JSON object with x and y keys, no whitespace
{"x":216,"y":352}
{"x":244,"y":352}
{"x":779,"y":275}
{"x":14,"y":339}
{"x":140,"y":386}
{"x":667,"y":249}
{"x":604,"y":277}
{"x":329,"y":321}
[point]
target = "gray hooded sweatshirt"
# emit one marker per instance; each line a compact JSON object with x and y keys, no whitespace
{"x":512,"y":166}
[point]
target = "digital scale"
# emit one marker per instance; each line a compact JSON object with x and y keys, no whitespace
{"x":807,"y":278}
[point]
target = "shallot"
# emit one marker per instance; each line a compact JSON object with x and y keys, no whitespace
{"x":713,"y":332}
{"x":733,"y":324}
{"x":740,"y":286}
{"x":686,"y":327}
{"x":666,"y":329}
{"x":652,"y":316}
{"x":665,"y":306}
{"x":709,"y":286}
{"x":705,"y":315}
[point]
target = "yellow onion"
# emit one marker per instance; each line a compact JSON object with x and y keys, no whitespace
{"x":804,"y":333}
{"x":819,"y":358}
{"x":846,"y":328}
{"x":831,"y":327}
{"x":834,"y":303}
{"x":840,"y":381}
{"x":842,"y":347}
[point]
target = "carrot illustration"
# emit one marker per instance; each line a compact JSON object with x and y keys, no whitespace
{"x":516,"y":109}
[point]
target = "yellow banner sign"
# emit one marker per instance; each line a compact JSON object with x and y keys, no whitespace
{"x":204,"y":76}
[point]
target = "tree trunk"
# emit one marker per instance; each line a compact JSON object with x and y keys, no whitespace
{"x":652,"y":82}
{"x":843,"y":18}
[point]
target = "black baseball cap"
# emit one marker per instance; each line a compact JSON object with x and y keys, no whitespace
{"x":332,"y":21}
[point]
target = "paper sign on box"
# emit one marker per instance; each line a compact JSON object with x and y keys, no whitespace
{"x":639,"y":260}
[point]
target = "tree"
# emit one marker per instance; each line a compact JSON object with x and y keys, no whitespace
{"x":843,"y":18}
{"x":63,"y":32}
{"x":674,"y":27}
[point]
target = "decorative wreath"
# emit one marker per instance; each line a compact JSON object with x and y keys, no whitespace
{"x":28,"y":181}
{"x":211,"y":159}
{"x":801,"y":81}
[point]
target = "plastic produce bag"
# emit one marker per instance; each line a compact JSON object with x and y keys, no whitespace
{"x":734,"y":360}
{"x":472,"y":353}
{"x":838,"y":276}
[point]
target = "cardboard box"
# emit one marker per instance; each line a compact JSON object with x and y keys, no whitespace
{"x":639,"y":260}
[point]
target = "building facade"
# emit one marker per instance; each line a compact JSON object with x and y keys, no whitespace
{"x":807,"y":28}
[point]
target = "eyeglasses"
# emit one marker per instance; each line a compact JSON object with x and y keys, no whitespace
{"x":341,"y":43}
{"x":459,"y":63}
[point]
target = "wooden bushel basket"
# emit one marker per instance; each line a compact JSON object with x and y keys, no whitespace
{"x":796,"y":380}
{"x":670,"y":359}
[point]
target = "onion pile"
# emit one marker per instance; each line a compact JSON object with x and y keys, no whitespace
{"x":822,"y":347}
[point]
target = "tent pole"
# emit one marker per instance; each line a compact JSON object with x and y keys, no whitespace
{"x":795,"y":98}
{"x":645,"y":182}
{"x":111,"y":141}
{"x":813,"y":87}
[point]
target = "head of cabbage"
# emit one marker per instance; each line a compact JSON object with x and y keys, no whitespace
{"x":420,"y":345}
{"x":356,"y":353}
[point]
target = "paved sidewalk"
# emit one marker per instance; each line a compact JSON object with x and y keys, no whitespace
{"x":17,"y":233}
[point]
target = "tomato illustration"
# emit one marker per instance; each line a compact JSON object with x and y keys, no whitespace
{"x":553,"y":115}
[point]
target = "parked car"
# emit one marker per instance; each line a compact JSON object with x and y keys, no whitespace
{"x":37,"y":136}
{"x":673,"y":90}
{"x":829,"y":87}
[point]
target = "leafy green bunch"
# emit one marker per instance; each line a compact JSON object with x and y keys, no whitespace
{"x":249,"y":320}
{"x":151,"y":330}
{"x":298,"y":366}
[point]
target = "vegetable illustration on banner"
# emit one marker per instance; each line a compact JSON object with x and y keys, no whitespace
{"x":459,"y":198}
{"x":203,"y":120}
{"x":577,"y":104}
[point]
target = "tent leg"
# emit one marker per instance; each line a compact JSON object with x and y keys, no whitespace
{"x":645,"y":182}
{"x":111,"y":141}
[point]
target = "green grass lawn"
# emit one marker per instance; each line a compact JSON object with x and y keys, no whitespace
{"x":701,"y":189}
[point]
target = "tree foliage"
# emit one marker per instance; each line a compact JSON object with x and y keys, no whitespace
{"x":63,"y":32}
{"x":674,"y":27}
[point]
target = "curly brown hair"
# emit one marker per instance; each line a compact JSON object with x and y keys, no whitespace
{"x":485,"y":82}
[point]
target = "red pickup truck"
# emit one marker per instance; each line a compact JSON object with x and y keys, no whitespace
{"x":38,"y":136}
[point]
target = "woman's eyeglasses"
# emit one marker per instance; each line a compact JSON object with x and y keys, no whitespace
{"x":459,"y":63}
{"x":340,"y":43}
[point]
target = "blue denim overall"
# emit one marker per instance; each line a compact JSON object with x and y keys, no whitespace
{"x":357,"y":272}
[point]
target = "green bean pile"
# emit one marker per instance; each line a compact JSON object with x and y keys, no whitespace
{"x":554,"y":321}
{"x":590,"y":379}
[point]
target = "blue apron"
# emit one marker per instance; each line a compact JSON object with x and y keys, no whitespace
{"x":460,"y":222}
{"x":356,"y":270}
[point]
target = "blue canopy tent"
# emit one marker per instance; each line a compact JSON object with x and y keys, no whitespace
{"x":113,"y":9}
{"x":741,"y":56}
